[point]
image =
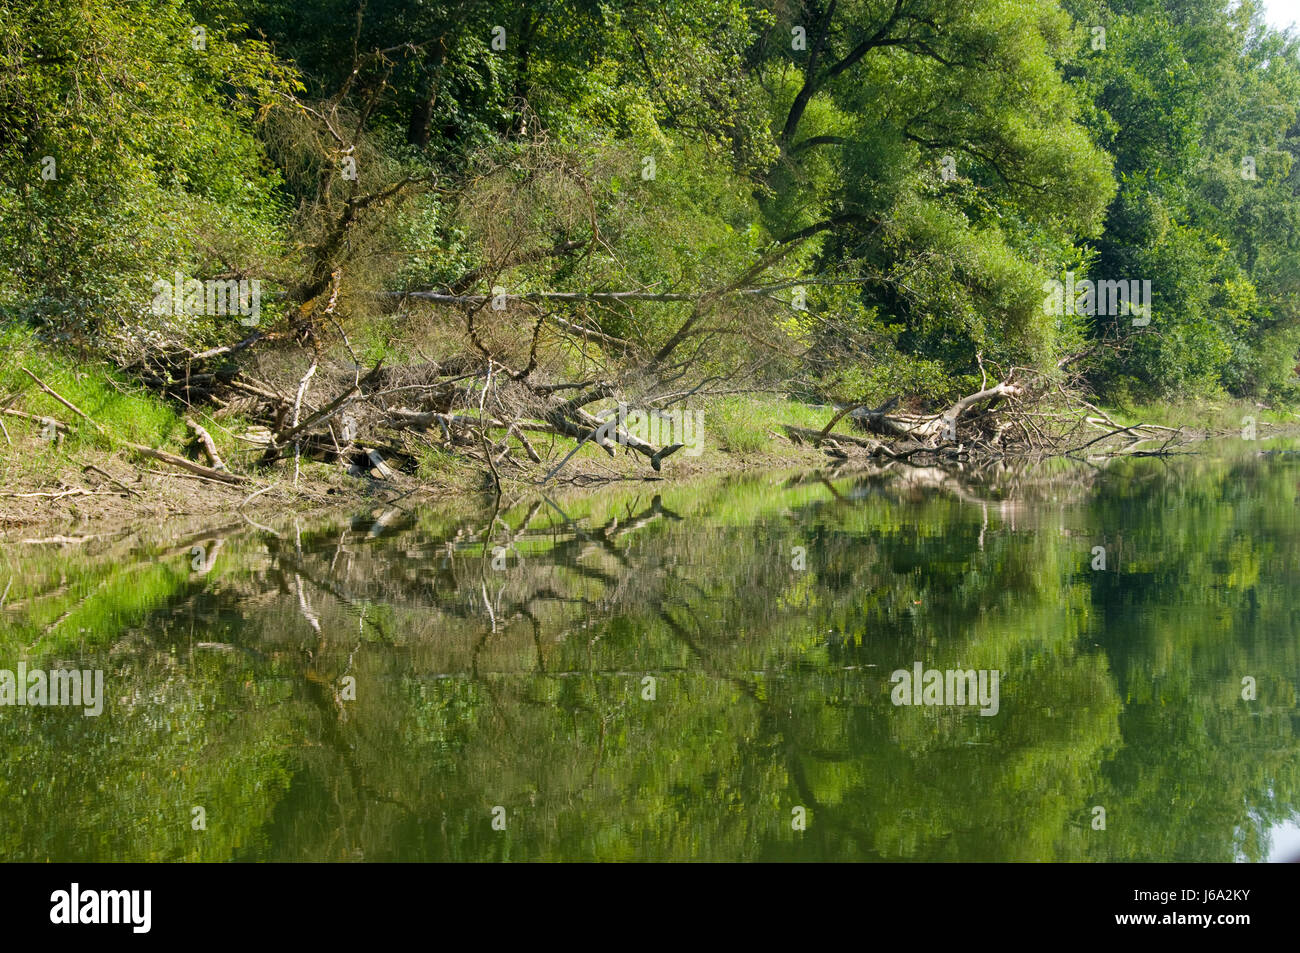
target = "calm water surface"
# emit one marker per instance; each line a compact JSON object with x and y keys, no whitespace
{"x":657,"y":671}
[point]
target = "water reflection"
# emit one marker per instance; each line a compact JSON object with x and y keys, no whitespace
{"x":1284,"y":841}
{"x":682,"y":672}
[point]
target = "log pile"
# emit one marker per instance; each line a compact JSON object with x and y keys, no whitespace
{"x":1028,"y":419}
{"x":378,"y":422}
{"x":374,"y":421}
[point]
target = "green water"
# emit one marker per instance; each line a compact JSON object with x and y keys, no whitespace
{"x":646,"y":673}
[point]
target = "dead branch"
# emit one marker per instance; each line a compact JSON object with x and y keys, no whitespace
{"x":206,"y":442}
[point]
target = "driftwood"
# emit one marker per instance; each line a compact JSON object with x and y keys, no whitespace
{"x":1011,"y":418}
{"x":220,"y":476}
{"x":934,"y":433}
{"x":334,"y":407}
{"x":815,"y":437}
{"x":942,"y":426}
{"x":91,"y":468}
{"x":207,"y":443}
{"x":516,"y":431}
{"x":49,"y":390}
{"x":57,"y":424}
{"x":378,"y":463}
{"x":480,"y":408}
{"x":854,"y":409}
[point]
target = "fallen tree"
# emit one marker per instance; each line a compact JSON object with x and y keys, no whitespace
{"x":1038,"y":417}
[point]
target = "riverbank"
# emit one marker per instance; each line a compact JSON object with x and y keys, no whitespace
{"x":89,"y":490}
{"x":64,"y":474}
{"x":71,"y":460}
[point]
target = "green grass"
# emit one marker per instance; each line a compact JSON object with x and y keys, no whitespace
{"x":1223,"y":415}
{"x":745,"y":423}
{"x":124,"y":411}
{"x":436,"y":464}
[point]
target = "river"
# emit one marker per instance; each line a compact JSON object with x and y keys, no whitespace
{"x":713,"y":670}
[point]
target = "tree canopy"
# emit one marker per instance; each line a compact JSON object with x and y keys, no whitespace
{"x":905,"y":178}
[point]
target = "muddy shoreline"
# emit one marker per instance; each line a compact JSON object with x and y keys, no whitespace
{"x":110,"y":495}
{"x":104,"y":496}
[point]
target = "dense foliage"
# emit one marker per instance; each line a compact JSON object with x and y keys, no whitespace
{"x":899,"y":180}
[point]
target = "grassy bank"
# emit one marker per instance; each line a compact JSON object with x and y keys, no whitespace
{"x":79,"y":473}
{"x":57,"y":468}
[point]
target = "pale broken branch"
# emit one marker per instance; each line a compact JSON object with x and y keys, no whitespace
{"x":206,"y":442}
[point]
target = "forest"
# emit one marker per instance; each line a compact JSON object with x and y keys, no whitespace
{"x":382,"y":236}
